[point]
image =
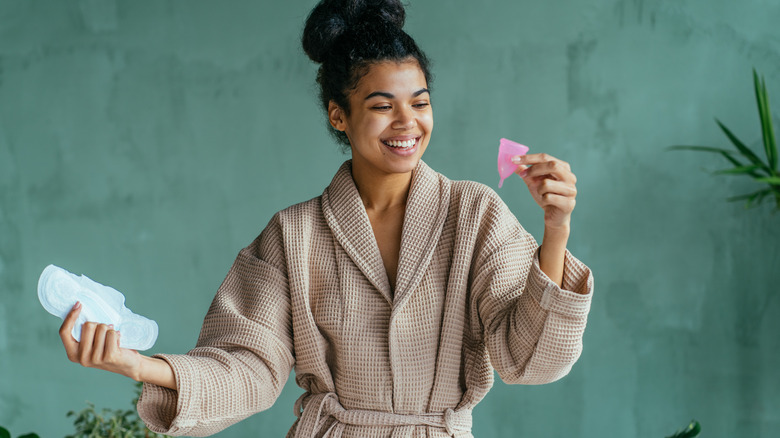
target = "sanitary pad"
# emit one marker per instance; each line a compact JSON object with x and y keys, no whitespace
{"x":506,"y":150}
{"x":58,"y":291}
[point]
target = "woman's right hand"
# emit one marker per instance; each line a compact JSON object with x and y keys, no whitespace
{"x":99,"y":347}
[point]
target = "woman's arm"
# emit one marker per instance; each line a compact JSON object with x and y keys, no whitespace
{"x":552,"y":253}
{"x":553,"y":186}
{"x":532,"y":328}
{"x":99,"y":348}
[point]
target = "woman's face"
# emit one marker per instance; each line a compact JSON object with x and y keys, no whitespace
{"x":391,"y":118}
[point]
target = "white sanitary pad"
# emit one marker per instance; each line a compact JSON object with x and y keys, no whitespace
{"x":58,"y":291}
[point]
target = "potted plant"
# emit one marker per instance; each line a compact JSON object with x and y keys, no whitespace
{"x":747,"y":162}
{"x":107,"y":423}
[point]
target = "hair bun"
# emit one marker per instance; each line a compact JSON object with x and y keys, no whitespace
{"x":331,"y":19}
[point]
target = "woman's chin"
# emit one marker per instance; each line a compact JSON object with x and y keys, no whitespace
{"x":391,"y":162}
{"x":405,"y":164}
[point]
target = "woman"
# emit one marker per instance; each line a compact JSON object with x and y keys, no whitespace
{"x":394,"y":294}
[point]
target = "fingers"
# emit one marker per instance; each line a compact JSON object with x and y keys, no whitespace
{"x":562,"y":203}
{"x":71,"y":345}
{"x":551,"y":186}
{"x":112,"y":345}
{"x":543,"y":165}
{"x":551,"y":183}
{"x":98,"y":347}
{"x":552,"y":193}
{"x":533,"y":158}
{"x":98,"y":343}
{"x":85,"y":345}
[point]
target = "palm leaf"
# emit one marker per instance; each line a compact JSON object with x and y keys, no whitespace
{"x":744,"y":150}
{"x":754,"y":167}
{"x":727,"y":154}
{"x":765,"y":114}
{"x":751,"y":198}
{"x":773,"y":180}
{"x":690,"y":431}
{"x":749,"y":170}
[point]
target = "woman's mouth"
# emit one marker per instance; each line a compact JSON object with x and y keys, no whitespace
{"x":402,"y":147}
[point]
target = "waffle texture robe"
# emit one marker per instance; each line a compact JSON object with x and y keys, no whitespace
{"x":312,"y":292}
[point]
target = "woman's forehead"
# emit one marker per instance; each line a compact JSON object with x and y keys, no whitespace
{"x":394,"y":77}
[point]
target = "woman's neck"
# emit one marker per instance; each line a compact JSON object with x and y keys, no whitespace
{"x":381,"y":192}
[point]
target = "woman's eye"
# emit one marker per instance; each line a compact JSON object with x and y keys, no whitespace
{"x":382,"y":107}
{"x":421,"y":104}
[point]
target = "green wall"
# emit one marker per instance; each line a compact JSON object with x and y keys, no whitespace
{"x":143,"y":143}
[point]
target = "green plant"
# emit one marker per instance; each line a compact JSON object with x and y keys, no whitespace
{"x":689,"y":431}
{"x":116,"y":423}
{"x":753,"y":166}
{"x":4,"y":433}
{"x":104,"y":424}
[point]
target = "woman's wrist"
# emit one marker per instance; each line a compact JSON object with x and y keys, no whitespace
{"x":137,"y":372}
{"x":553,"y":252}
{"x":155,"y":371}
{"x":556,"y":236}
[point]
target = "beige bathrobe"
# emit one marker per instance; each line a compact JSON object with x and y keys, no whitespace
{"x":311,"y":292}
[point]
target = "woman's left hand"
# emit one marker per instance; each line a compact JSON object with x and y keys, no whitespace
{"x":552,"y":185}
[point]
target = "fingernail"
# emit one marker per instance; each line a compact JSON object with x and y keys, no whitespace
{"x":517,"y":159}
{"x":77,"y":305}
{"x":111,"y":326}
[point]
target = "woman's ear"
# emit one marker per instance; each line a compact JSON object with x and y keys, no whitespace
{"x":336,"y":116}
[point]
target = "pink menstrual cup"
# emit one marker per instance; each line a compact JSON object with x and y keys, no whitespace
{"x":506,"y":150}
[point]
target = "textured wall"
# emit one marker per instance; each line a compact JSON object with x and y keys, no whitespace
{"x":145,"y":142}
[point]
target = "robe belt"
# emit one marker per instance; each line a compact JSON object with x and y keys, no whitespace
{"x":313,"y":411}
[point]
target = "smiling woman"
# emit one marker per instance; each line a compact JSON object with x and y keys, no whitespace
{"x":391,"y":119}
{"x":394,"y":294}
{"x":388,"y":128}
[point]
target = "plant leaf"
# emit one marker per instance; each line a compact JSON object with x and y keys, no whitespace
{"x":4,"y":433}
{"x":774,"y":180}
{"x":738,"y":170}
{"x":725,"y":152}
{"x":744,"y":150}
{"x":701,"y":148}
{"x":690,"y":431}
{"x":748,"y":195}
{"x":755,"y":197}
{"x":761,"y":197}
{"x":765,"y":114}
{"x":694,"y":429}
{"x":29,"y":435}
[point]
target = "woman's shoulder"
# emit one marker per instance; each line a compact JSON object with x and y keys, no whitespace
{"x":482,"y":216}
{"x":464,"y":189}
{"x":310,"y":208}
{"x":302,"y":215}
{"x":295,"y":217}
{"x":468,"y":194}
{"x":470,"y":188}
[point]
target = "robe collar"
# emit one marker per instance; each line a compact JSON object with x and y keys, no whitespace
{"x":426,"y":211}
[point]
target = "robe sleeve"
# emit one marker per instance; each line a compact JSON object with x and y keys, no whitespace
{"x":244,"y":353}
{"x":531,"y":327}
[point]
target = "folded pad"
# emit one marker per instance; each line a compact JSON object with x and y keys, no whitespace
{"x":58,"y":291}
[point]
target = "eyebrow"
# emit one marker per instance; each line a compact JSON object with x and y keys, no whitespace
{"x":391,"y":96}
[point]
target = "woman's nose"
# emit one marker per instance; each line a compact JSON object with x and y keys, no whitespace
{"x":404,"y":119}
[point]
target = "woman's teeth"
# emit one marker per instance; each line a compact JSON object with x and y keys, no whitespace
{"x":406,"y":144}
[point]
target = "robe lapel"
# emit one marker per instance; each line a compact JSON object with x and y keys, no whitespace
{"x":347,"y":218}
{"x":426,"y":212}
